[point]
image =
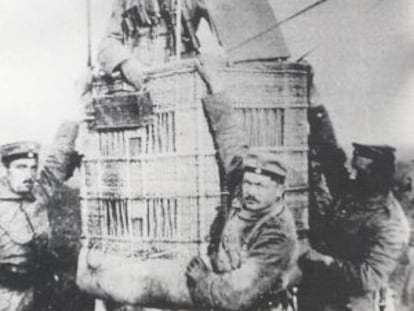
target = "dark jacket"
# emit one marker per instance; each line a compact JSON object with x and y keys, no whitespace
{"x":366,"y":236}
{"x":250,"y":258}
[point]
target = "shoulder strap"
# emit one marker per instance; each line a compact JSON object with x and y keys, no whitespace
{"x":261,"y":222}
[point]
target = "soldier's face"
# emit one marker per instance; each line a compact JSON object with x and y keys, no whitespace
{"x":360,"y":167}
{"x":21,"y":175}
{"x":260,"y":191}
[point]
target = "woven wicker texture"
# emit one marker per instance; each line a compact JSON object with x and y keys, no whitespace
{"x":151,"y":191}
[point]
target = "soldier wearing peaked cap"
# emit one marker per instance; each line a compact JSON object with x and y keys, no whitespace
{"x":359,"y":232}
{"x":375,"y":152}
{"x":11,"y":155}
{"x":17,"y":150}
{"x":254,"y":247}
{"x":25,"y":197}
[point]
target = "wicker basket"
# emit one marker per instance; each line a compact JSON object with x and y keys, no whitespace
{"x":151,"y":190}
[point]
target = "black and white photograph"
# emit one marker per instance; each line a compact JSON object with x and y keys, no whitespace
{"x":229,"y":155}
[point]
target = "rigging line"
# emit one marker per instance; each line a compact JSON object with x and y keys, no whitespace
{"x":307,"y":53}
{"x":89,"y":33}
{"x":316,"y":47}
{"x":304,"y":10}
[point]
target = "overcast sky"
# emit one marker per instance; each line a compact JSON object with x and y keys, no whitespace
{"x":364,"y":63}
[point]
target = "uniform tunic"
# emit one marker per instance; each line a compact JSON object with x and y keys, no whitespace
{"x":253,"y":258}
{"x":25,"y":230}
{"x":149,"y":44}
{"x":366,"y":235}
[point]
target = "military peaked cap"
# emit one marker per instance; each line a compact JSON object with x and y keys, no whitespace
{"x":375,"y":152}
{"x":265,"y":163}
{"x":19,"y":150}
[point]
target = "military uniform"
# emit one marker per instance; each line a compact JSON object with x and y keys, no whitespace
{"x":252,"y":253}
{"x":24,"y":228}
{"x":252,"y":260}
{"x":364,"y":236}
{"x":141,"y":29}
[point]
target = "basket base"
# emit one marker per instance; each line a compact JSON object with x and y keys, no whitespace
{"x":158,"y":283}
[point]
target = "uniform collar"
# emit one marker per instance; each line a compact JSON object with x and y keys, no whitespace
{"x":248,"y":215}
{"x":379,"y":198}
{"x":372,"y":202}
{"x":7,"y":194}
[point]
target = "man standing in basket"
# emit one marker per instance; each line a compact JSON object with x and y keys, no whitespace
{"x":144,"y":33}
{"x":141,"y":33}
{"x":358,"y":230}
{"x":254,"y":247}
{"x":26,"y":262}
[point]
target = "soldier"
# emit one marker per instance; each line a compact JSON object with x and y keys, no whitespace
{"x":141,"y":34}
{"x":358,"y":230}
{"x":25,"y":263}
{"x":257,"y":248}
{"x":254,"y":246}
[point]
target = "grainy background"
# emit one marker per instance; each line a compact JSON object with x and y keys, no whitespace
{"x":364,"y":65}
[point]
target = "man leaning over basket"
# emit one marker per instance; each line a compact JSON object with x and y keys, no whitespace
{"x":254,"y":246}
{"x":358,"y":229}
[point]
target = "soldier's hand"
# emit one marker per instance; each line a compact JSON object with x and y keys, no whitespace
{"x":196,"y":269}
{"x":84,"y":82}
{"x":315,"y":257}
{"x":314,"y":95}
{"x":94,"y":259}
{"x":75,"y":161}
{"x":197,"y":282}
{"x":134,"y":72}
{"x":315,"y":98}
{"x":208,"y":67}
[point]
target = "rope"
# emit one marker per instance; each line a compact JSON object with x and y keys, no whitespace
{"x":289,"y":18}
{"x":320,"y":44}
{"x":307,"y":53}
{"x":88,"y":25}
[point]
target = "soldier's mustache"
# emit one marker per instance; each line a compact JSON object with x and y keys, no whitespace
{"x":251,"y":198}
